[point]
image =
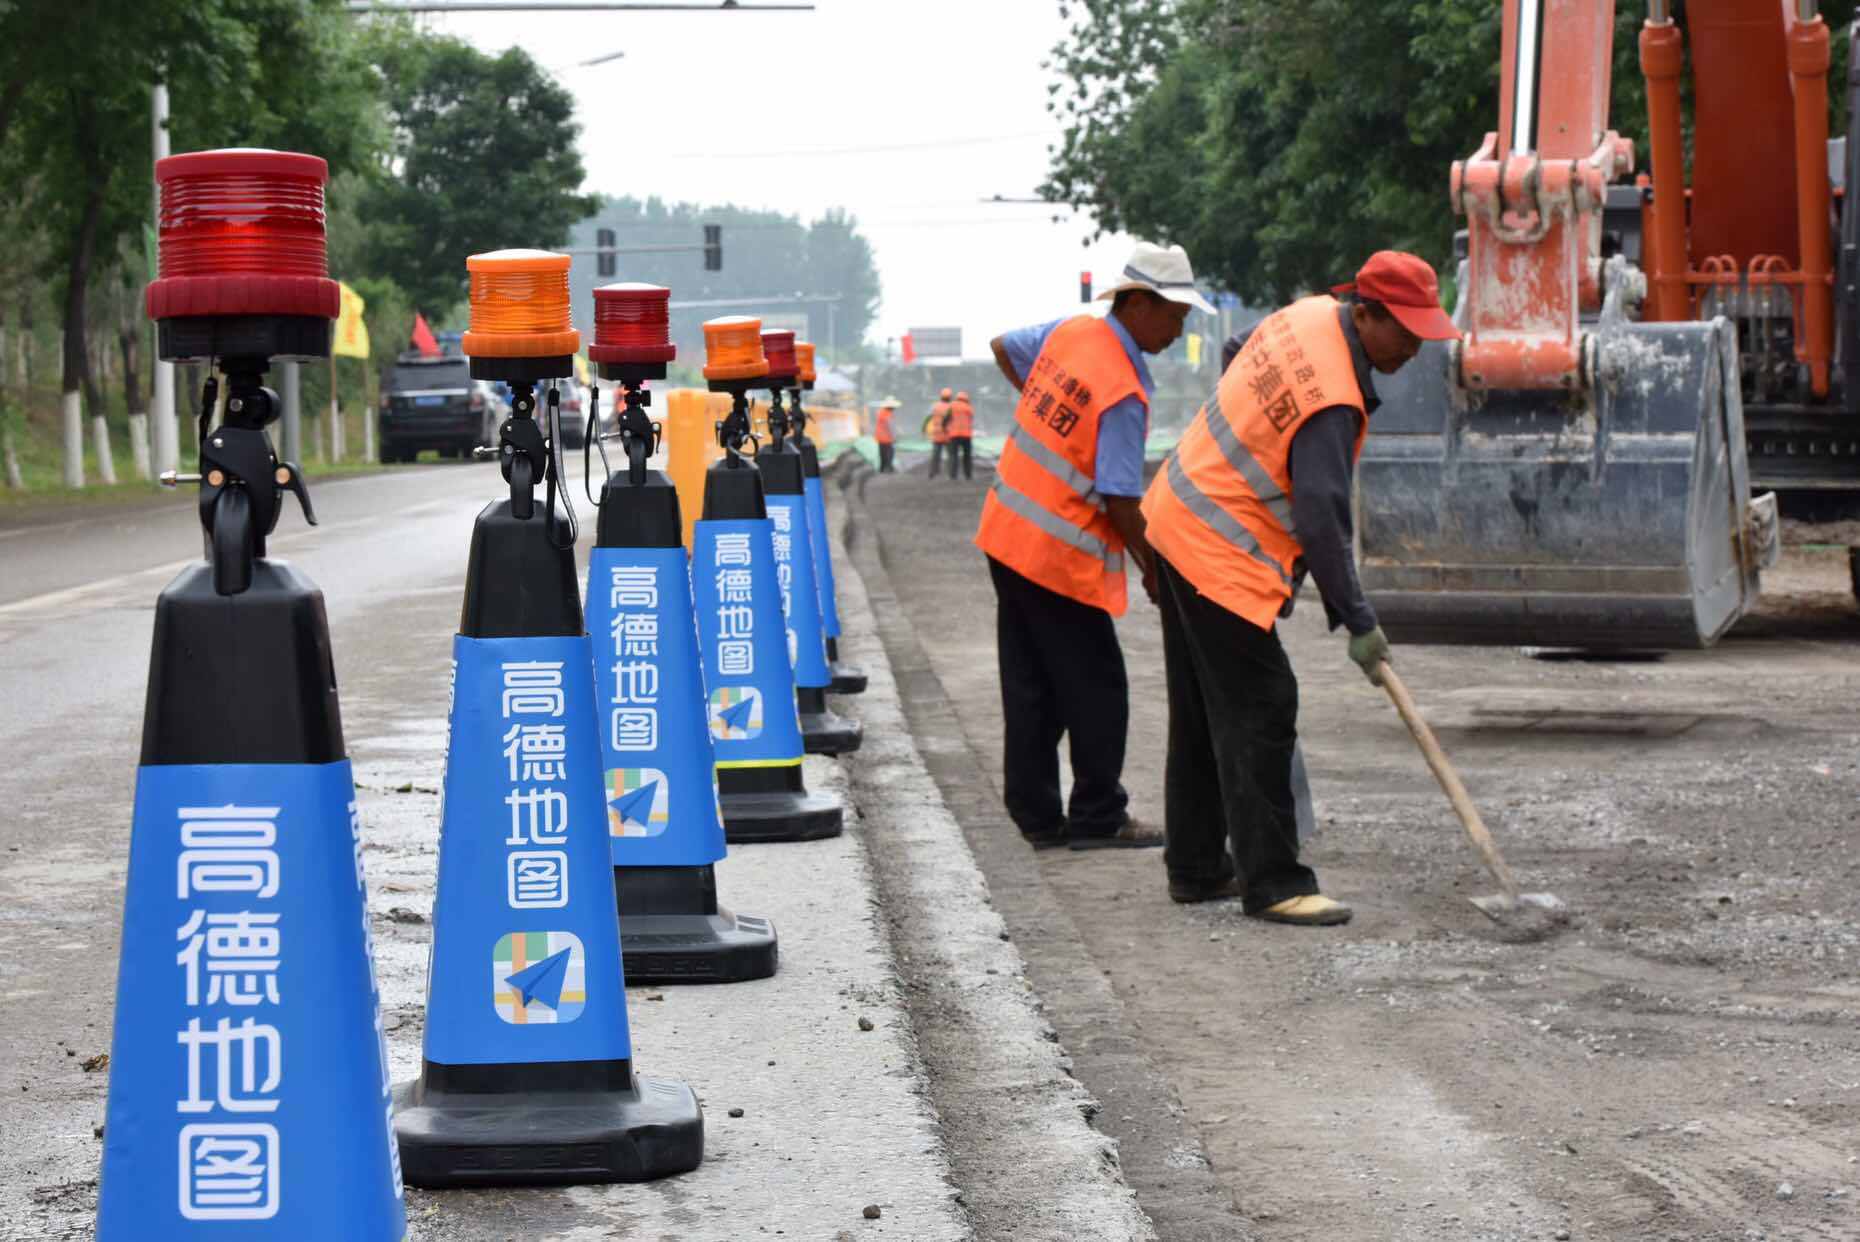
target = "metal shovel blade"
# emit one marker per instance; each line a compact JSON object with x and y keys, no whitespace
{"x":1501,"y":907}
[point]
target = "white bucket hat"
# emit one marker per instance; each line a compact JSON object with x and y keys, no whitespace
{"x":1164,"y":272}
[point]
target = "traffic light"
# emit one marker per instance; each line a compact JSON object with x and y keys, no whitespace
{"x":713,"y":247}
{"x":1084,"y":286}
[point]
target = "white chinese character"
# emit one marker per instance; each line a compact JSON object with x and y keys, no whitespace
{"x":636,"y":728}
{"x":784,"y":577}
{"x":733,"y":549}
{"x":533,"y":688}
{"x":735,"y":621}
{"x":241,"y":951}
{"x":633,"y":586}
{"x":733,"y":585}
{"x":636,"y":634}
{"x":636,"y":681}
{"x":537,"y":752}
{"x":537,"y":816}
{"x":227,"y":849}
{"x":783,"y":517}
{"x":229,"y":1172}
{"x":537,"y":879}
{"x":784,"y":549}
{"x":355,"y":837}
{"x":260,"y":1065}
{"x":736,"y":658}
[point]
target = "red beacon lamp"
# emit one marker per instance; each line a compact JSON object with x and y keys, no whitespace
{"x":244,"y":279}
{"x":632,"y":344}
{"x":778,"y":348}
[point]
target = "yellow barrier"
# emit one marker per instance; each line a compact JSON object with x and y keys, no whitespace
{"x":691,"y":416}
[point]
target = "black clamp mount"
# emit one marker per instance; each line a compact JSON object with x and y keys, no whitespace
{"x":528,"y":447}
{"x":639,"y":435}
{"x":242,"y":482}
{"x":780,"y":428}
{"x":734,"y":431}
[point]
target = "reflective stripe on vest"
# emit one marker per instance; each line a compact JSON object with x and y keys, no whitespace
{"x":1043,"y":518}
{"x":1217,"y":517}
{"x":1057,"y":526}
{"x":1057,"y":466}
{"x":1221,"y":511}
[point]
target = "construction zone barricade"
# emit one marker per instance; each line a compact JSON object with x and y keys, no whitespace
{"x":248,"y":1072}
{"x":665,"y":820}
{"x":527,"y":1076}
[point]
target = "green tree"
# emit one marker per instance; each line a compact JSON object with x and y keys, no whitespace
{"x":1281,"y":144}
{"x":482,"y":158}
{"x":283,"y":73}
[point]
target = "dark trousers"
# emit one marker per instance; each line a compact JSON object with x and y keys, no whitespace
{"x":1233,"y":723}
{"x":1062,"y":673}
{"x":962,"y":451}
{"x":936,"y":458}
{"x":885,"y":452}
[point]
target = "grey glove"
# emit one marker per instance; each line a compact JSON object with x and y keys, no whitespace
{"x":1369,"y":651}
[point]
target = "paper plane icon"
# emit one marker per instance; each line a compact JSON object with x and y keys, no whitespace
{"x":543,"y":981}
{"x":736,"y":716}
{"x":635,"y":806}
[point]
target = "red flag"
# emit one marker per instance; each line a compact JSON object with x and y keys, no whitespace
{"x":910,"y":349}
{"x":423,"y":339}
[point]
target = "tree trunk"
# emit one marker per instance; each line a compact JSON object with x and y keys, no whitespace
{"x":129,"y":334}
{"x":13,"y":479}
{"x":77,"y":281}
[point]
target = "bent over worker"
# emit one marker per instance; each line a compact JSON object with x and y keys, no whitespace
{"x":1256,"y":494}
{"x":886,"y":434}
{"x":961,"y":437}
{"x":1055,"y":526}
{"x":939,"y":431}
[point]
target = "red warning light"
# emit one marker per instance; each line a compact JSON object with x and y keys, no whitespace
{"x":778,"y":348}
{"x":241,"y":232}
{"x":632,"y":324}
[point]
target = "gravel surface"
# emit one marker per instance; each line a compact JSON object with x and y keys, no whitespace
{"x":1656,"y":1071}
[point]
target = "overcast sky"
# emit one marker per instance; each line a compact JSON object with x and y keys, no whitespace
{"x":907,"y":112}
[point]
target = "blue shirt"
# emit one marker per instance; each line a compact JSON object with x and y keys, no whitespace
{"x":1121,"y":429}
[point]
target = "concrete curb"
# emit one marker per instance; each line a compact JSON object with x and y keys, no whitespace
{"x":1014,"y":1120}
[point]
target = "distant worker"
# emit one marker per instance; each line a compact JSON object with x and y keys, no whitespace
{"x":1055,"y":524}
{"x":939,"y":432}
{"x":962,"y":437}
{"x":886,"y":435}
{"x":1256,"y":493}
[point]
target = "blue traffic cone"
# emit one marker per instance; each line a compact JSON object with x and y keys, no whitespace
{"x":823,"y":731}
{"x":663,"y":813}
{"x":742,"y":641}
{"x":248,"y":1074}
{"x":528,"y":1074}
{"x":847,"y":678}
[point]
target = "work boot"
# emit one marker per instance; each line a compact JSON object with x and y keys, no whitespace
{"x":1310,"y":910}
{"x":1052,"y":839}
{"x":1132,"y":834}
{"x":1188,"y":892}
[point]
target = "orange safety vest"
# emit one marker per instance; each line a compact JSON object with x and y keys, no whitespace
{"x":882,"y":432}
{"x":1220,"y":510}
{"x":961,"y":420}
{"x":1043,"y":517}
{"x":937,"y":411}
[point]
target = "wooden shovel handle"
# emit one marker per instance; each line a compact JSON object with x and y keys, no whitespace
{"x":1449,"y":780}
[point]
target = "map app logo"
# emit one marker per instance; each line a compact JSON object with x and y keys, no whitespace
{"x":539,"y":977}
{"x":638,"y":802}
{"x":735,"y":713}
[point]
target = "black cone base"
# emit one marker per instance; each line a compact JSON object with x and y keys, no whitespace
{"x":673,"y":931}
{"x":772,"y":804}
{"x":823,"y":732}
{"x":847,"y":678}
{"x":585,"y":1122}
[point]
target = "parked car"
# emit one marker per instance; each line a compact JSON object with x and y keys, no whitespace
{"x":431,"y":403}
{"x":574,"y":413}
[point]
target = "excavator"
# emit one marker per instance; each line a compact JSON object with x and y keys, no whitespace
{"x":1646,"y":360}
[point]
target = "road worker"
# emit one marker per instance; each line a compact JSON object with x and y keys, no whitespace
{"x":1055,"y":527}
{"x":962,"y":437}
{"x":886,"y":435}
{"x":1255,"y":495}
{"x":938,"y":429}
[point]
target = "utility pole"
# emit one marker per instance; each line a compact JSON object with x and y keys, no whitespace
{"x":166,"y":433}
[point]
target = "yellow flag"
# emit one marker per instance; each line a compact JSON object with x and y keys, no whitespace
{"x":1194,"y":350}
{"x":351,"y":331}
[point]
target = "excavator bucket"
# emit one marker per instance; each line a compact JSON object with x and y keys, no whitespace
{"x":1611,"y":517}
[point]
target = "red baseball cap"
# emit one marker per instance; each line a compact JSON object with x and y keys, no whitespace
{"x":1406,"y":284}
